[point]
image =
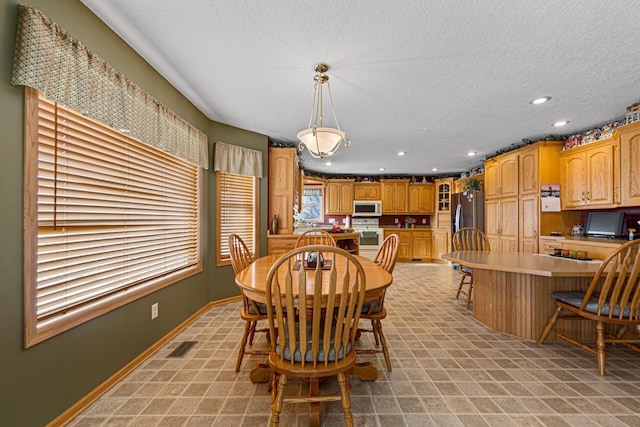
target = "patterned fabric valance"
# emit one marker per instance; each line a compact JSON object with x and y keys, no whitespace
{"x":237,"y":160}
{"x":49,"y":59}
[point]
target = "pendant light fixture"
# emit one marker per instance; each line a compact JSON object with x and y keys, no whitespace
{"x":321,"y":141}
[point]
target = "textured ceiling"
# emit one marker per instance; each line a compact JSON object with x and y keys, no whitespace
{"x":433,"y":78}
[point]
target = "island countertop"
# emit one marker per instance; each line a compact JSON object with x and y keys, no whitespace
{"x":526,"y":263}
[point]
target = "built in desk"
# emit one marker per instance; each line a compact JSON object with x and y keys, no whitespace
{"x":512,"y":290}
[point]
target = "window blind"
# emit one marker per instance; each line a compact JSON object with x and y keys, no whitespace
{"x":112,"y":213}
{"x":237,"y":212}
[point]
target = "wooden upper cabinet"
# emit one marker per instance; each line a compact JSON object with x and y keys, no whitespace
{"x":443,"y":194}
{"x":421,"y":199}
{"x":284,"y":189}
{"x":367,"y":191}
{"x":395,"y":193}
{"x":588,"y":176}
{"x":501,"y":177}
{"x":339,"y":197}
{"x":529,"y":172}
{"x":629,"y":189}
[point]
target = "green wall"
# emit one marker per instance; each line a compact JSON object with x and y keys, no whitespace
{"x":39,"y":383}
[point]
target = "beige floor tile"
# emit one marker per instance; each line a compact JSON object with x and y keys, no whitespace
{"x":448,"y":370}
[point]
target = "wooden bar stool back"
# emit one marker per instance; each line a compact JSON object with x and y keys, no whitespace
{"x":612,"y":300}
{"x":468,"y":239}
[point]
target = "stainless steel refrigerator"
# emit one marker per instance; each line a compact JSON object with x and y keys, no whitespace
{"x":467,"y":210}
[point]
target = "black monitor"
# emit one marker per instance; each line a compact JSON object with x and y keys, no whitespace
{"x":604,"y":224}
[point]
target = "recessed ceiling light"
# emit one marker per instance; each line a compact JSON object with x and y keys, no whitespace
{"x":472,"y":153}
{"x":381,"y":169}
{"x":540,"y":100}
{"x":328,"y":163}
{"x":401,"y":153}
{"x":560,"y":123}
{"x":434,"y":169}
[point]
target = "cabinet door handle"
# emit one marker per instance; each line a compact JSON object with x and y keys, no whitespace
{"x":582,"y":197}
{"x":588,"y":196}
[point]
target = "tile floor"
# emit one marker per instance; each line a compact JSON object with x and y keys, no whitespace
{"x":448,"y":370}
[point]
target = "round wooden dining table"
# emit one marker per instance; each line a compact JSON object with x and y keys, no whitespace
{"x":253,"y":281}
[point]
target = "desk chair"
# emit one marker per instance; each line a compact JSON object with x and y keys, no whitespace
{"x":468,"y":239}
{"x":315,"y":237}
{"x":252,"y":311}
{"x":315,"y":325}
{"x":385,"y":257}
{"x":616,"y":284}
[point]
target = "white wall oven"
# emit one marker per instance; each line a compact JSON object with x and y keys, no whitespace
{"x":371,"y":235}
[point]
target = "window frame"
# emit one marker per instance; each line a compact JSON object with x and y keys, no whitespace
{"x":224,"y":260}
{"x":319,"y":188}
{"x":35,"y":330}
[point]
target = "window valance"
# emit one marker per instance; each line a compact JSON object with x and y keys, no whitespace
{"x":237,"y":160}
{"x":49,"y":59}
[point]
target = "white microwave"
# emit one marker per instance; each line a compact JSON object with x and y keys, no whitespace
{"x":367,"y":208}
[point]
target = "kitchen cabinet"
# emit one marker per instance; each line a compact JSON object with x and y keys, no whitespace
{"x":513,"y":218}
{"x":441,"y":243}
{"x":404,"y":242}
{"x":284,"y":187}
{"x":395,"y":193}
{"x":367,"y":191}
{"x":549,"y":243}
{"x":421,"y":199}
{"x":421,"y":244}
{"x":339,"y":196}
{"x":528,"y":227}
{"x":501,"y":223}
{"x":588,"y":176}
{"x":413,"y":243}
{"x":501,"y":176}
{"x":629,"y":143}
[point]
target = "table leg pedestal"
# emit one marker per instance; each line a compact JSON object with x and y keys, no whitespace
{"x":365,"y":371}
{"x":260,"y":373}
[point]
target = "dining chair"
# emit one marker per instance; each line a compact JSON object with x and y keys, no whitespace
{"x":252,"y":312}
{"x":315,"y":237}
{"x":612,"y":298}
{"x":316,"y":324}
{"x":468,"y":239}
{"x":375,"y":311}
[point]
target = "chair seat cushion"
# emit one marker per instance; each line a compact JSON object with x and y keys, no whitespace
{"x":367,"y":305}
{"x":574,"y":299}
{"x":466,"y":270}
{"x":261,"y":307}
{"x":297,"y":357}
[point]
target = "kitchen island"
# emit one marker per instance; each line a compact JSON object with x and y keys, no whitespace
{"x":512,"y":290}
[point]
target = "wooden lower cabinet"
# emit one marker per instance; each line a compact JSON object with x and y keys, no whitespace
{"x":414,"y":244}
{"x":549,"y":243}
{"x":441,"y":243}
{"x":421,"y":245}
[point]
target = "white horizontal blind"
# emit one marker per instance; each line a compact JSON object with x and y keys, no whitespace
{"x":112,"y":212}
{"x":237,"y":211}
